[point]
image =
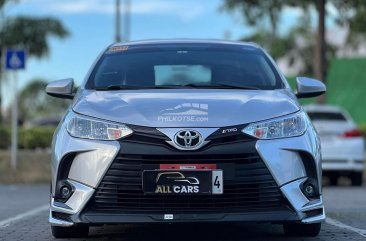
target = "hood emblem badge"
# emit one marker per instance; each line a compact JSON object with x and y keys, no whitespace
{"x":187,"y":140}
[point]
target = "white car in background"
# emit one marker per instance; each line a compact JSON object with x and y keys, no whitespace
{"x":343,"y":145}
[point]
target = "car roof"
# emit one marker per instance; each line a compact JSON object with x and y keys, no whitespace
{"x":186,"y":41}
{"x":323,"y":108}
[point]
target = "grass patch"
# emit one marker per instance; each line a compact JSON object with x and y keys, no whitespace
{"x":34,"y":166}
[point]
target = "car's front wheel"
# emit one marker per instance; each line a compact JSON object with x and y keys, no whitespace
{"x":70,"y":232}
{"x":301,"y":230}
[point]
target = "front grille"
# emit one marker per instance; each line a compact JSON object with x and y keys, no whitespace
{"x":248,"y":186}
{"x":152,"y":136}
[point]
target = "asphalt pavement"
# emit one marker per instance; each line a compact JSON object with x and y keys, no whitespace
{"x":23,"y":216}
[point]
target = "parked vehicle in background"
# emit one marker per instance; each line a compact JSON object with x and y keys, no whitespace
{"x":343,"y":145}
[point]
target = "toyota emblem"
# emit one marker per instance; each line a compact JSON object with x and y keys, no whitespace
{"x":188,"y":139}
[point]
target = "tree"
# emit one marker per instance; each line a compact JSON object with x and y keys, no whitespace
{"x":35,"y":103}
{"x":278,"y":47}
{"x":257,"y":12}
{"x":352,"y":14}
{"x":254,"y":11}
{"x":320,"y":56}
{"x":300,"y":44}
{"x":29,"y":33}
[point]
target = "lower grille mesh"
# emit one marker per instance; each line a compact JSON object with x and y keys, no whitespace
{"x":248,"y":186}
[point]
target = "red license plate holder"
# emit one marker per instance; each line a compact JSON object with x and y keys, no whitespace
{"x":188,"y":166}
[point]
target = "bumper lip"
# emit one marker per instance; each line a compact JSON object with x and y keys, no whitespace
{"x":283,"y":215}
{"x":57,"y":222}
{"x":315,"y":219}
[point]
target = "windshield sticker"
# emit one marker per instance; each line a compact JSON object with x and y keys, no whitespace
{"x":118,"y":49}
{"x":186,"y":112}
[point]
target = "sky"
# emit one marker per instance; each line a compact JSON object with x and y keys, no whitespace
{"x":91,"y":25}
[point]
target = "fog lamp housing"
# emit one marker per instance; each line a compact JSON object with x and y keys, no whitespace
{"x":64,"y":190}
{"x":310,"y":188}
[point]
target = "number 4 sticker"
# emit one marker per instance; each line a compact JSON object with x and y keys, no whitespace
{"x":217,"y":182}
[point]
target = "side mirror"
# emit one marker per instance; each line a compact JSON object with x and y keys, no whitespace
{"x":61,"y":88}
{"x":307,"y":87}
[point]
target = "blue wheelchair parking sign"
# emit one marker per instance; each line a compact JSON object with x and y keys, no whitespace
{"x":15,"y":59}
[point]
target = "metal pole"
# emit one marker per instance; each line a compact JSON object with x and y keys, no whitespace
{"x":14,"y":123}
{"x":2,"y":23}
{"x":127,"y":20}
{"x":118,"y":22}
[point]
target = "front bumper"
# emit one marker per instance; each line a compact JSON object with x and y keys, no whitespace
{"x":311,"y":212}
{"x":290,"y":162}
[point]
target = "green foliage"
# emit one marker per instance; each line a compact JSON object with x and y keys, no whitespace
{"x":352,"y":14}
{"x":3,"y":2}
{"x":362,"y":128}
{"x":292,"y":82}
{"x":28,"y":138}
{"x":258,"y":13}
{"x":35,"y":103}
{"x":278,"y":47}
{"x":31,"y":34}
{"x":346,"y":85}
{"x":36,"y":137}
{"x":4,"y":137}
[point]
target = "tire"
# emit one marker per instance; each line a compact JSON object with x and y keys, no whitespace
{"x":70,"y":232}
{"x":301,"y":230}
{"x":333,"y":180}
{"x":356,"y":179}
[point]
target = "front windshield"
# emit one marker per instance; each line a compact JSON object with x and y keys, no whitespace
{"x":196,"y":68}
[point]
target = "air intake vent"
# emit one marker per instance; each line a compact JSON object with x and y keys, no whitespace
{"x":248,"y":186}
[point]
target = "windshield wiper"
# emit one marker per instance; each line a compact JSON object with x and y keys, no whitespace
{"x":136,"y":87}
{"x":222,"y":86}
{"x":132,"y":87}
{"x":115,"y":87}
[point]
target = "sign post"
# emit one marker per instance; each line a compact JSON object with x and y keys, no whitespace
{"x":15,"y":60}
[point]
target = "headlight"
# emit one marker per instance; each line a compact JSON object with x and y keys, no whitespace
{"x":288,"y":126}
{"x":83,"y":127}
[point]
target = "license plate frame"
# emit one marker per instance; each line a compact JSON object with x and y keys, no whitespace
{"x":182,"y":182}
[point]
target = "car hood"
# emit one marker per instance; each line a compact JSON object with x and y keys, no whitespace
{"x":185,"y":107}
